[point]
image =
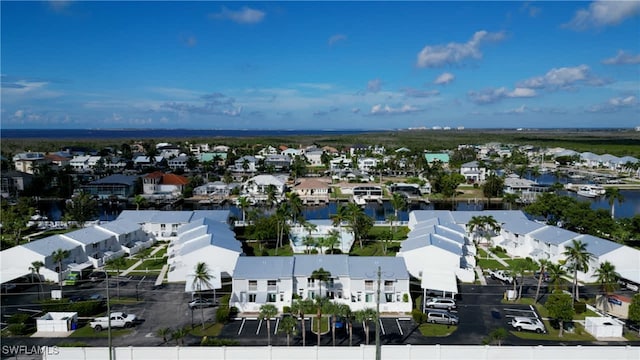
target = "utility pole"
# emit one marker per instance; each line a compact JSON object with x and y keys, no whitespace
{"x":108,"y":317}
{"x":378,"y":316}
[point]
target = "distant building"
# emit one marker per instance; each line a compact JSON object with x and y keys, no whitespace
{"x":433,"y":157}
{"x":120,"y":186}
{"x":29,"y":161}
{"x":473,"y":172}
{"x":160,"y":184}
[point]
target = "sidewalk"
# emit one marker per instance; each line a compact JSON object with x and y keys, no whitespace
{"x":139,"y":262}
{"x":496,"y":258}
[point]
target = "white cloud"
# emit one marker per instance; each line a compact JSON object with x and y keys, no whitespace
{"x":491,"y":95}
{"x":19,"y":114}
{"x":444,"y":78}
{"x":453,"y":53}
{"x":245,"y":15}
{"x":622,"y":58}
{"x":380,"y":109}
{"x":615,"y":104}
{"x":337,"y":38}
{"x":410,"y":92}
{"x":603,"y":13}
{"x":563,"y":78}
{"x":26,"y":90}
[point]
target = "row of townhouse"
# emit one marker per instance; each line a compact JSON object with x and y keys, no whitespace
{"x":88,"y":247}
{"x":352,"y":281}
{"x":522,"y":237}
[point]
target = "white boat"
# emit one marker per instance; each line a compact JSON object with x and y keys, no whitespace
{"x":590,"y":191}
{"x":359,"y":200}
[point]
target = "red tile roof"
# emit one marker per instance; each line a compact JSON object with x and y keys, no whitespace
{"x":173,"y":179}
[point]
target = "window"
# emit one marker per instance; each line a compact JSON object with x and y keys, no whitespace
{"x":271,"y":297}
{"x":330,"y":283}
{"x":271,"y":285}
{"x":368,"y":298}
{"x":253,"y":285}
{"x":281,"y":296}
{"x":388,"y":297}
{"x":311,"y":282}
{"x":174,"y":227}
{"x":368,"y":285}
{"x":163,"y":226}
{"x":311,"y":295}
{"x":252,"y":298}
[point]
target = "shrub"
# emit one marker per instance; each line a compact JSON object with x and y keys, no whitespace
{"x":405,"y":297}
{"x":224,"y":300}
{"x":418,"y":302}
{"x":580,"y":307}
{"x":18,"y":318}
{"x":222,"y":314}
{"x":18,"y":329}
{"x":418,"y":316}
{"x":286,"y":309}
{"x":207,"y":341}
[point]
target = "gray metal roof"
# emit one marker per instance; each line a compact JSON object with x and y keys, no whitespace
{"x":598,"y":246}
{"x":122,"y":226}
{"x":501,"y":216}
{"x":430,"y":240}
{"x":522,"y":226}
{"x":553,"y":235}
{"x":337,"y":265}
{"x":50,"y":244}
{"x":216,"y":215}
{"x":423,"y":215}
{"x":366,"y":267}
{"x":264,"y":267}
{"x":440,"y":230}
{"x":172,"y":217}
{"x":117,"y":179}
{"x":138,"y":216}
{"x":90,"y":235}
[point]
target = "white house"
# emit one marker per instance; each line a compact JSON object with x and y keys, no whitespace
{"x":98,"y":244}
{"x":246,"y":164}
{"x":129,"y":234}
{"x":314,"y":156}
{"x":312,"y":191}
{"x":473,"y":172}
{"x":352,"y":281}
{"x":319,"y":229}
{"x":29,"y":161}
{"x":257,"y":186}
{"x":367,"y":164}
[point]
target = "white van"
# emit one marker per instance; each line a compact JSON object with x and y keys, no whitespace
{"x":442,"y":317}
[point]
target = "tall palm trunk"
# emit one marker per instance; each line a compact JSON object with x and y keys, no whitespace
{"x":304,"y":331}
{"x":539,"y":284}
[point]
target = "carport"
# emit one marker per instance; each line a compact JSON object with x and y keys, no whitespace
{"x":444,"y":282}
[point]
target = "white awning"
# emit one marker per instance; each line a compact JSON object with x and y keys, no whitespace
{"x":441,"y":281}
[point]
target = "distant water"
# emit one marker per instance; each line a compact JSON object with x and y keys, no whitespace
{"x":159,"y":133}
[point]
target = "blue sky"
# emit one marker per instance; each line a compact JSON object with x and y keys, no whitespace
{"x":320,"y":65}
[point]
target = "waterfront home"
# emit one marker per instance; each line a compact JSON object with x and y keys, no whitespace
{"x":119,"y":186}
{"x":217,"y":158}
{"x":178,"y":162}
{"x":216,"y":190}
{"x":245,"y":164}
{"x":312,"y":191}
{"x":258,"y":187}
{"x":28,"y":162}
{"x":314,"y":156}
{"x":159,"y":185}
{"x":352,"y":281}
{"x":277,"y":162}
{"x":437,"y":157}
{"x":141,"y":162}
{"x":12,"y":182}
{"x":84,"y":163}
{"x":57,"y":160}
{"x":473,"y":172}
{"x":198,"y":149}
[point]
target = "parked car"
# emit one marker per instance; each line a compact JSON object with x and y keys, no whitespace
{"x":118,"y":320}
{"x":530,"y":324}
{"x":501,"y":275}
{"x":199,"y":303}
{"x":442,"y":317}
{"x":545,"y":276}
{"x":97,"y":276}
{"x":441,"y":303}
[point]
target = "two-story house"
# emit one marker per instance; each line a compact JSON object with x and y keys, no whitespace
{"x":158,"y":184}
{"x":473,"y":172}
{"x":29,"y":161}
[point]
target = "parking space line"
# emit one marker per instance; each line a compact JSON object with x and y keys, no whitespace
{"x":259,"y":326}
{"x":399,"y":327}
{"x":381,"y":327}
{"x":241,"y":326}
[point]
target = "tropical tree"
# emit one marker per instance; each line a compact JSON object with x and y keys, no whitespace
{"x":35,"y":269}
{"x":340,"y":216}
{"x":578,"y":259}
{"x":309,"y":241}
{"x":295,"y":205}
{"x":119,"y":263}
{"x":613,"y":195}
{"x":607,"y":277}
{"x":300,"y":307}
{"x":358,"y":222}
{"x":331,"y":240}
{"x":271,"y":194}
{"x":344,"y":312}
{"x":542,"y":268}
{"x":267,"y":311}
{"x":139,"y":200}
{"x":282,"y":215}
{"x":634,"y":310}
{"x":82,"y":208}
{"x":556,"y":274}
{"x":399,"y":202}
{"x":498,"y":335}
{"x":288,"y":325}
{"x":510,"y":199}
{"x":322,"y":276}
{"x":178,"y":335}
{"x":364,"y":316}
{"x":560,"y":307}
{"x":163,"y":333}
{"x":492,"y":187}
{"x":15,"y":219}
{"x":243,"y":204}
{"x":484,"y":224}
{"x":58,"y":257}
{"x":202,"y":278}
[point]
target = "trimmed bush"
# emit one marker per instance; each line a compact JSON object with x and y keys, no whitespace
{"x":418,"y":316}
{"x":580,"y":307}
{"x":286,"y":309}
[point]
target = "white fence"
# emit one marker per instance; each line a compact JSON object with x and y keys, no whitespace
{"x":389,"y":352}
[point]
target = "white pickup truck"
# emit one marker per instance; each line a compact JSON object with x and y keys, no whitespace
{"x":501,"y":275}
{"x":118,"y":320}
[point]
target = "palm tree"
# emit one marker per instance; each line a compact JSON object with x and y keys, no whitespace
{"x":607,"y":277}
{"x":139,"y":200}
{"x":474,"y":225}
{"x":511,"y":199}
{"x":164,"y":333}
{"x":271,"y":194}
{"x":282,"y":215}
{"x":288,"y":325}
{"x":399,"y":202}
{"x":201,"y":278}
{"x":58,"y":256}
{"x":35,"y":270}
{"x":178,"y":335}
{"x":556,"y":273}
{"x":309,"y":241}
{"x":321,"y":275}
{"x":542,"y":268}
{"x":118,"y":263}
{"x":339,"y":217}
{"x":613,"y":195}
{"x":243,"y":204}
{"x":267,"y":311}
{"x":578,"y":259}
{"x":358,"y":221}
{"x":295,"y":205}
{"x":301,"y":307}
{"x":364,"y":316}
{"x":332,"y":240}
{"x":344,"y":311}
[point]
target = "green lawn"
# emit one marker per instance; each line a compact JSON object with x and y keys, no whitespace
{"x":155,"y":264}
{"x":324,"y":325}
{"x":579,"y":334}
{"x":88,"y":332}
{"x":128,"y":263}
{"x":209,"y":329}
{"x":437,"y":330}
{"x":490,"y":264}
